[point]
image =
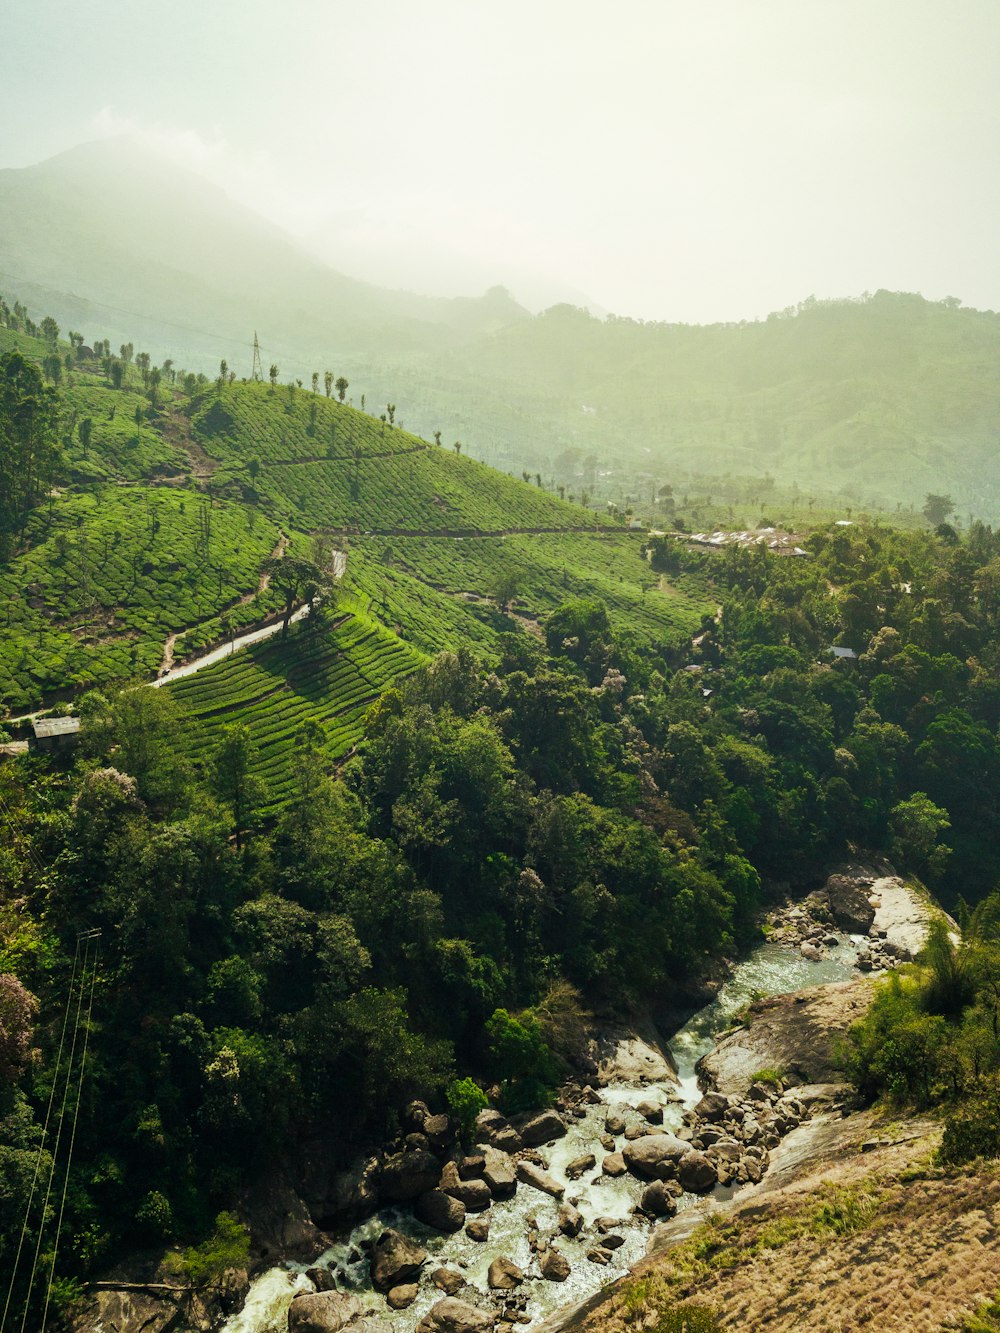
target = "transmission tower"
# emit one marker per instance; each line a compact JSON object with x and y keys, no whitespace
{"x":258,"y":370}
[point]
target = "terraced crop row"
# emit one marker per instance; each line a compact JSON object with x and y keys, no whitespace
{"x":239,"y":422}
{"x":326,"y":676}
{"x":419,"y":583}
{"x":422,"y":492}
{"x":109,"y":573}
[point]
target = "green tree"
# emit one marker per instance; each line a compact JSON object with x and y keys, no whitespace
{"x":937,"y":508}
{"x":342,"y":386}
{"x":233,"y":778}
{"x":328,"y":382}
{"x":29,"y":452}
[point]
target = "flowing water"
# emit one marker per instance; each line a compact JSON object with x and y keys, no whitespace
{"x":771,"y":969}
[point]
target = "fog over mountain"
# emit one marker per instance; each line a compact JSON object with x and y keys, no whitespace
{"x":685,"y":162}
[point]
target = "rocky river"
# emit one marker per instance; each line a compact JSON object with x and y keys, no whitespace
{"x":549,"y":1214}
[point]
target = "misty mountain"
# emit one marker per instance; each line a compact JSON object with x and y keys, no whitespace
{"x":108,"y":233}
{"x":883,"y":398}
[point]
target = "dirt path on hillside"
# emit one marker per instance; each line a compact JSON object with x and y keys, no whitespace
{"x":460,"y":534}
{"x":175,"y":428}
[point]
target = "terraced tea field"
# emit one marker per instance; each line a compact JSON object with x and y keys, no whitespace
{"x":430,"y":585}
{"x":327,"y":676}
{"x":109,"y":572}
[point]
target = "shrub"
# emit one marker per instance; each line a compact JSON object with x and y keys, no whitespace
{"x":972,"y":1130}
{"x":465,"y":1100}
{"x":687,"y":1319}
{"x":227,"y":1247}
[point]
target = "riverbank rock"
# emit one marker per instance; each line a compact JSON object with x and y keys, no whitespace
{"x":554,"y":1266}
{"x":395,"y":1260}
{"x":496,"y":1130}
{"x":441,"y":1211}
{"x":544,"y":1128}
{"x":453,"y":1316}
{"x":504,"y":1275}
{"x":406,"y":1175}
{"x":695,"y":1173}
{"x":655,"y":1156}
{"x":323,"y":1312}
{"x":478,"y":1229}
{"x":474,"y":1195}
{"x":798,"y":1034}
{"x":847,"y":895}
{"x":651,"y":1110}
{"x":658,"y":1199}
{"x":533,"y":1175}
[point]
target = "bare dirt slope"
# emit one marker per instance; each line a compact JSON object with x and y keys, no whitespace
{"x":851,"y":1240}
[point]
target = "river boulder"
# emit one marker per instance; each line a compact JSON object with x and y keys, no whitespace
{"x":544,"y":1128}
{"x":655,"y":1156}
{"x":504,"y":1275}
{"x":496,"y":1130}
{"x":447,"y":1280}
{"x":453,"y":1316}
{"x":570,"y":1220}
{"x":651,"y":1110}
{"x":395,"y":1260}
{"x":403,"y":1296}
{"x":554,"y":1266}
{"x":478,"y":1229}
{"x":658,"y":1199}
{"x":499,"y":1172}
{"x":323,"y":1312}
{"x":474,"y":1195}
{"x":440,"y":1131}
{"x":580,"y":1166}
{"x":441,"y":1211}
{"x":533,"y":1175}
{"x":614,"y":1164}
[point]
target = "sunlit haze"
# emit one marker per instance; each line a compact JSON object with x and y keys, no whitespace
{"x":659,"y":158}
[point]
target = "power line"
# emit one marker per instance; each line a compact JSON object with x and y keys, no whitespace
{"x":96,"y":936}
{"x":41,"y":1142}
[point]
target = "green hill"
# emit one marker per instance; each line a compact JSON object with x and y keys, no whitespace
{"x":154,"y":546}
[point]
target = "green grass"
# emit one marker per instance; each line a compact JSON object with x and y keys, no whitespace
{"x":329,"y":676}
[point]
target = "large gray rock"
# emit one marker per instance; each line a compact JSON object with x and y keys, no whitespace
{"x":544,"y":1128}
{"x":406,"y":1175}
{"x":539,"y":1179}
{"x":696,"y":1173}
{"x":499,"y":1172}
{"x":323,"y":1312}
{"x":848,"y":896}
{"x":441,"y":1211}
{"x":395,"y":1260}
{"x":452,"y":1316}
{"x":655,"y":1156}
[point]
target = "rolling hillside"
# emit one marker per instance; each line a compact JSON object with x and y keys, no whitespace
{"x":158,"y":541}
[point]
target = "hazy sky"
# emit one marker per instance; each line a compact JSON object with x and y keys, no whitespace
{"x":680,"y":159}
